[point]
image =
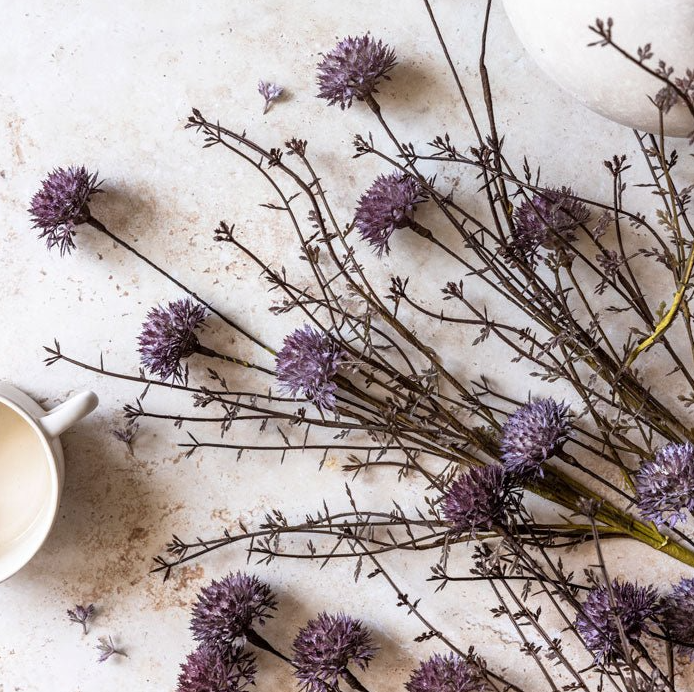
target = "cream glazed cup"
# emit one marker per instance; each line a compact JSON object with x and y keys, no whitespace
{"x":32,"y":471}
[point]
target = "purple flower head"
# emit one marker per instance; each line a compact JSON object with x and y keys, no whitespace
{"x":168,"y":336}
{"x":446,"y":674}
{"x":107,"y":648}
{"x":532,"y":434}
{"x":678,"y":610}
{"x":477,"y":500}
{"x":226,"y":610}
{"x":546,"y":220}
{"x":665,"y":486}
{"x":270,"y":92}
{"x":597,"y":624}
{"x":61,"y":204}
{"x":353,"y":70}
{"x":388,"y":204}
{"x":127,"y":433}
{"x":326,"y":646}
{"x":308,"y":363}
{"x":82,"y":615}
{"x":211,"y":669}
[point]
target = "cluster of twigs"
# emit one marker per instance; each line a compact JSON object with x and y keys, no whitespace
{"x":580,"y":317}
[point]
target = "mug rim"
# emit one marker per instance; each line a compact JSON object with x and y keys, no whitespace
{"x":54,"y":499}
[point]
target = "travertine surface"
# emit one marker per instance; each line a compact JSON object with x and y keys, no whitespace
{"x":110,"y":85}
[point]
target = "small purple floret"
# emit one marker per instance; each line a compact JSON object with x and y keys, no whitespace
{"x":270,"y":92}
{"x":532,"y":434}
{"x":665,"y":486}
{"x":449,"y":673}
{"x":211,"y":669}
{"x":61,"y":204}
{"x":227,"y":609}
{"x":307,"y":364}
{"x":353,"y":70}
{"x":388,"y":204}
{"x":325,"y":648}
{"x":477,"y":500}
{"x":635,"y":607}
{"x":168,"y":336}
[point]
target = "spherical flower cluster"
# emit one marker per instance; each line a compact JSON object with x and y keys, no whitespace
{"x":325,"y":648}
{"x":211,"y":669}
{"x":226,"y":610}
{"x":665,"y":486}
{"x":388,"y":204}
{"x":168,"y":336}
{"x":308,"y":363}
{"x":547,"y":220}
{"x":532,"y":434}
{"x":678,"y":615}
{"x":477,"y":500}
{"x":61,"y":204}
{"x":353,"y":70}
{"x":446,"y":674}
{"x":634,"y":607}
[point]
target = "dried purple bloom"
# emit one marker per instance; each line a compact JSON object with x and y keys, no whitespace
{"x":477,"y":500}
{"x":270,"y":92}
{"x":226,"y":610}
{"x":678,"y":607}
{"x":353,"y":69}
{"x":127,"y":433}
{"x":665,"y":486}
{"x":211,"y":669}
{"x":326,"y":646}
{"x":61,"y":204}
{"x":308,"y":363}
{"x":597,"y":624}
{"x":107,"y":648}
{"x":532,"y":434}
{"x":168,"y":336}
{"x":388,"y":204}
{"x":449,"y":673}
{"x":551,"y":213}
{"x":82,"y":615}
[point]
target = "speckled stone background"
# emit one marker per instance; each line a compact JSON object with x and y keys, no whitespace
{"x":110,"y":85}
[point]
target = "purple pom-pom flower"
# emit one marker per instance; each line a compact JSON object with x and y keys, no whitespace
{"x":61,"y":204}
{"x":226,"y":610}
{"x":353,"y":70}
{"x":446,"y":674}
{"x":678,"y":616}
{"x":665,"y":486}
{"x":325,"y":648}
{"x":532,"y":434}
{"x":388,"y":204}
{"x":634,"y":607}
{"x":477,"y":500}
{"x":168,"y":336}
{"x":211,"y":669}
{"x":270,"y":92}
{"x":547,"y":220}
{"x":308,"y":363}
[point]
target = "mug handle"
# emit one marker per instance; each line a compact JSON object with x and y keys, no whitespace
{"x":63,"y":416}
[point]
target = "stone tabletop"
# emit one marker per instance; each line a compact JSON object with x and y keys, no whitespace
{"x":109,"y":85}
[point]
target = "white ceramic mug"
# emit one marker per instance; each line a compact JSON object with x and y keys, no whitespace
{"x":32,"y":470}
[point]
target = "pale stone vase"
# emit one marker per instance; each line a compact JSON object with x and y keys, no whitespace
{"x":556,"y":34}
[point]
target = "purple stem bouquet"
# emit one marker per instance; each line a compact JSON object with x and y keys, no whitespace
{"x":357,"y":377}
